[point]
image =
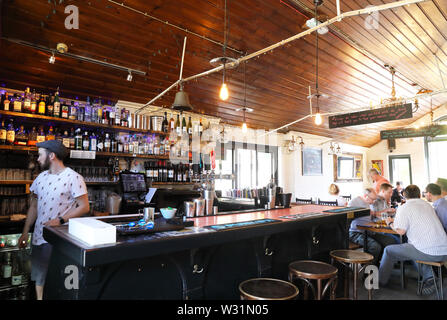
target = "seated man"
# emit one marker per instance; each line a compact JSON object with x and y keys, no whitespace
{"x":427,"y":239}
{"x":396,"y":197}
{"x":383,"y":202}
{"x":376,"y":241}
{"x":433,"y":194}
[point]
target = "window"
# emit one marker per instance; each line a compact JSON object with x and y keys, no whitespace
{"x":246,"y":166}
{"x":436,"y":153}
{"x":345,"y":167}
{"x":400,"y":169}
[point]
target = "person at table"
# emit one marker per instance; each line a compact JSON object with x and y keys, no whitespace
{"x":377,"y":179}
{"x":396,"y":197}
{"x":334,"y":190}
{"x":443,"y":184}
{"x":427,"y":239}
{"x":375,"y":241}
{"x":383,"y":202}
{"x":433,"y":194}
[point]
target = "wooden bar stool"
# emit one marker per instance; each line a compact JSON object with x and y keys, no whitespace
{"x":352,"y":260}
{"x":267,"y":289}
{"x":438,"y":284}
{"x":308,"y":270}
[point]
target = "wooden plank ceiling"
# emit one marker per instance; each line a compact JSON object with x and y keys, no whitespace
{"x":351,"y":70}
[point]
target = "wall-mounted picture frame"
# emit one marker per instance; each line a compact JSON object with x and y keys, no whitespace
{"x":348,"y":167}
{"x":312,"y":161}
{"x":378,"y":165}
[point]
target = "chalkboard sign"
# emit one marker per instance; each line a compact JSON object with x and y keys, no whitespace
{"x":312,"y":162}
{"x":429,"y":131}
{"x":399,"y":112}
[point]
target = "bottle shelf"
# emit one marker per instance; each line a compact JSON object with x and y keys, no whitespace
{"x":32,"y":117}
{"x":16,"y":182}
{"x":15,"y":248}
{"x":15,"y":148}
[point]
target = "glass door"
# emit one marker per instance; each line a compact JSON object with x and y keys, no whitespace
{"x":400,"y":170}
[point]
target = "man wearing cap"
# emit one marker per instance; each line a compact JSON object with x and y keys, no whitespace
{"x":57,"y":194}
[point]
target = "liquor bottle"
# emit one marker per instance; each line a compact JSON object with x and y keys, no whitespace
{"x":95,"y":111}
{"x":126,"y":145}
{"x":150,"y":145}
{"x":154,"y":172}
{"x":57,"y":105}
{"x":6,"y":267}
{"x":57,"y":135}
{"x":3,"y":133}
{"x":156,"y":140}
{"x":6,"y":102}
{"x":40,"y":135}
{"x":165,"y":172}
{"x":50,"y":106}
{"x":32,"y":137}
{"x":21,"y":138}
{"x":27,"y":101}
{"x":189,"y":127}
{"x":93,"y":142}
{"x":131,"y":144}
{"x":178,"y":128}
{"x":41,"y":107}
{"x":184,"y":127}
{"x":105,"y":115}
{"x":50,"y":134}
{"x":167,"y":145}
{"x":99,"y":110}
{"x":88,"y":111}
{"x":66,"y":139}
{"x":34,"y":101}
{"x":107,"y":143}
{"x":120,"y":146}
{"x":73,"y":112}
{"x":78,"y":139}
{"x":10,"y":133}
{"x":171,"y":124}
{"x":136,"y":144}
{"x":165,"y":124}
{"x":185,"y":173}
{"x":65,"y":110}
{"x":117,"y":117}
{"x":2,"y":98}
{"x":80,"y":111}
{"x":17,"y":105}
{"x":171,"y":172}
{"x":145,"y":145}
{"x":112,"y":114}
{"x":72,"y":139}
{"x":85,"y":141}
{"x":141,"y":143}
{"x":113,"y":144}
{"x":16,"y":274}
{"x":147,"y":167}
{"x":100,"y":142}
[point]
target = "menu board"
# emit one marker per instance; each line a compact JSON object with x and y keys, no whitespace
{"x":429,"y":131}
{"x":398,"y":112}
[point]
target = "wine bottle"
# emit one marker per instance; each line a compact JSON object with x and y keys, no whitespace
{"x":164,"y":125}
{"x":3,"y":133}
{"x":50,"y":106}
{"x":57,"y":105}
{"x":85,"y":141}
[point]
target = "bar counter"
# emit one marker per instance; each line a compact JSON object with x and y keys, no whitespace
{"x":198,"y":263}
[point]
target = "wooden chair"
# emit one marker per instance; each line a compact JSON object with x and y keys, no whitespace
{"x":307,"y":270}
{"x":438,"y":284}
{"x":267,"y":289}
{"x":352,"y":261}
{"x":304,"y":201}
{"x":328,"y":203}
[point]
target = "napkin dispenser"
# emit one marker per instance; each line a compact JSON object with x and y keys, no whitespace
{"x":92,"y":231}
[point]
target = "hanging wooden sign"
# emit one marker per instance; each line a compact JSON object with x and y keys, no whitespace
{"x":428,"y":131}
{"x":403,"y":111}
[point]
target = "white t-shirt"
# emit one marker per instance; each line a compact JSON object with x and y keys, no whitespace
{"x":424,"y":229}
{"x":358,"y":202}
{"x":56,"y":194}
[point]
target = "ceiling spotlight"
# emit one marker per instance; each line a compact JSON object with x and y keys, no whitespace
{"x":52,"y":59}
{"x":129,"y":76}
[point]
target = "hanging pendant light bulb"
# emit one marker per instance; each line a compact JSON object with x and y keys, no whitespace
{"x":223,"y":93}
{"x":318,"y":119}
{"x":244,"y":128}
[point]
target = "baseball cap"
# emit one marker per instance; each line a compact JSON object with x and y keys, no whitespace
{"x":54,"y":146}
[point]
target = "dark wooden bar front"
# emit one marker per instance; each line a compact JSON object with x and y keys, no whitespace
{"x":195,"y":266}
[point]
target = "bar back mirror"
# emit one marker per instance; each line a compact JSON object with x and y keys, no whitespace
{"x":348,"y":167}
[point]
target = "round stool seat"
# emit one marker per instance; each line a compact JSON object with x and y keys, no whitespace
{"x":351,"y":256}
{"x":312,"y":269}
{"x":267,"y":289}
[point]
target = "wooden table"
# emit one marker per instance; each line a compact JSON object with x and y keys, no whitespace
{"x":375,"y":227}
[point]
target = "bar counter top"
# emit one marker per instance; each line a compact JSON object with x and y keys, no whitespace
{"x":137,"y":246}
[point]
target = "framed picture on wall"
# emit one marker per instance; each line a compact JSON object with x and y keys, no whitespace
{"x":312,"y":161}
{"x":378,"y":165}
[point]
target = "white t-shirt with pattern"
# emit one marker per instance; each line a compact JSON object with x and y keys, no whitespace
{"x":56,"y":194}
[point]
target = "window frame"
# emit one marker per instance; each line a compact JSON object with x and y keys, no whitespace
{"x":390,"y":162}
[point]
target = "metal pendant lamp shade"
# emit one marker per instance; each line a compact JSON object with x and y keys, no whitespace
{"x":181,"y":101}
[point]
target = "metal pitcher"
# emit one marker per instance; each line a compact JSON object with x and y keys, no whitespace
{"x":190,"y":209}
{"x":200,"y":207}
